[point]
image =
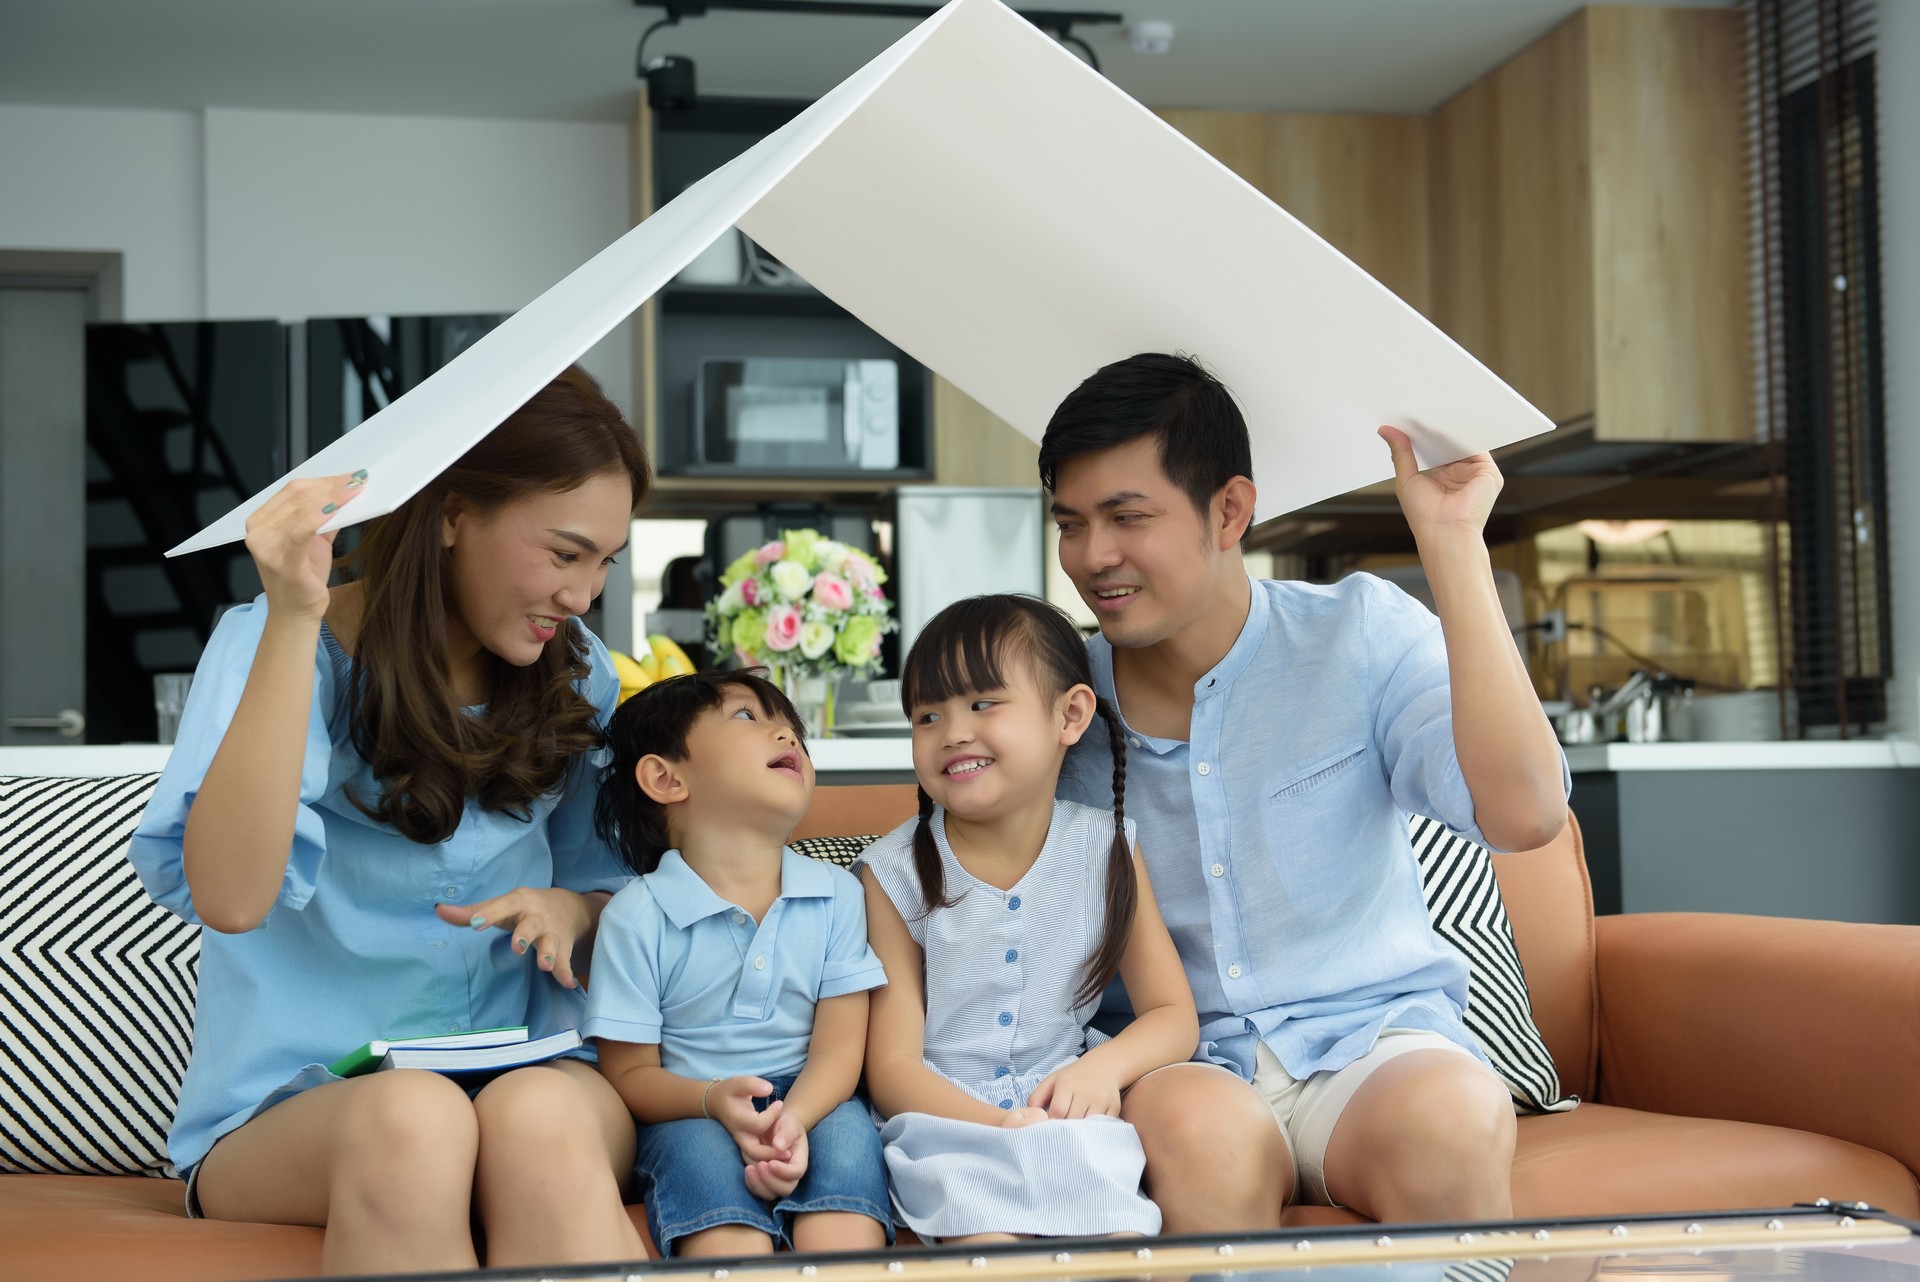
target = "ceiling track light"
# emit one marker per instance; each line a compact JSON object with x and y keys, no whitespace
{"x":1058,"y":23}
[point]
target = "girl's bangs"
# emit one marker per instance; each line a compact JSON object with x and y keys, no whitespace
{"x":962,"y":652}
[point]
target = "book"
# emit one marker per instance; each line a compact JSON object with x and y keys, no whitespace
{"x":372,"y":1056}
{"x":483,"y":1059}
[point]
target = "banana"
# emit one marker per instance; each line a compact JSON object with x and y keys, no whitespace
{"x":633,"y":675}
{"x":672,"y":660}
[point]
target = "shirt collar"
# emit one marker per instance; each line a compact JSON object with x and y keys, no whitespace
{"x":1252,"y":634}
{"x":686,"y":897}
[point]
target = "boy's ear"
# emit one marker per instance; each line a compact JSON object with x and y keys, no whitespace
{"x":1076,"y":711}
{"x":660,"y":779}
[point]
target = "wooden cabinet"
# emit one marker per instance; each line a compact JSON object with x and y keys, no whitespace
{"x":1589,"y":229}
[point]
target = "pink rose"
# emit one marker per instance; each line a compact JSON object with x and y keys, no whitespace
{"x":750,"y":591}
{"x":770,"y":553}
{"x":832,"y":592}
{"x":783,"y":627}
{"x":874,"y":593}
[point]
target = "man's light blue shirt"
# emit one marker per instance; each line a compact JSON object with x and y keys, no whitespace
{"x":676,"y":965}
{"x":1276,"y":834}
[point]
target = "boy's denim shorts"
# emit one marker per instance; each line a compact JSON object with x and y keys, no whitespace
{"x":692,"y":1176}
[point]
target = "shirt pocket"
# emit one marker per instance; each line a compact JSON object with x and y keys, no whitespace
{"x":1312,"y":816}
{"x":1322,"y":772}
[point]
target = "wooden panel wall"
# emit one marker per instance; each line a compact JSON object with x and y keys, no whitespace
{"x":1512,"y":229}
{"x":1671,"y":289}
{"x":974,"y":446}
{"x":1358,"y":181}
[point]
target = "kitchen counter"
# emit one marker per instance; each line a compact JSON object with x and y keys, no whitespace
{"x":858,"y":760}
{"x":1801,"y":754}
{"x":1806,"y":828}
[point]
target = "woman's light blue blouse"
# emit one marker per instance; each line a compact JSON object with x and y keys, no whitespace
{"x":352,"y":949}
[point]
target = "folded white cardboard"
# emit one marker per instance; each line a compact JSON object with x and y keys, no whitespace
{"x":1010,"y":218}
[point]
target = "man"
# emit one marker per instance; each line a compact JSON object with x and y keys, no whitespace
{"x":1278,"y":734}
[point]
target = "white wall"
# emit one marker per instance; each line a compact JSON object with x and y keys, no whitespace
{"x":243,"y":214}
{"x":330,"y":215}
{"x":76,"y":178}
{"x":1898,"y":75}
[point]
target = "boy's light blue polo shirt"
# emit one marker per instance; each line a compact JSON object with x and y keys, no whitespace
{"x":677,"y":965}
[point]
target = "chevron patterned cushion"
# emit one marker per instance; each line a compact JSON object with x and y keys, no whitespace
{"x":1463,"y":901}
{"x":96,"y":984}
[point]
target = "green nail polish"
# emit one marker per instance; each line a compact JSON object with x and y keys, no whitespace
{"x":361,"y":475}
{"x":331,"y":507}
{"x":354,"y":484}
{"x":478,"y":923}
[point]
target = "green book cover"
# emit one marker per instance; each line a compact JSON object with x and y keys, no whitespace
{"x":368,"y":1057}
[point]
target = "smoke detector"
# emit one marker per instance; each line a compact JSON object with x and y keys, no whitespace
{"x":1153,"y":36}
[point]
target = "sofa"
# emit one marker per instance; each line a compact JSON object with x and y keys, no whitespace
{"x":1723,"y":1062}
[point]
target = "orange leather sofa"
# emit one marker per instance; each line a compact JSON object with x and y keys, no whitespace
{"x":1726,"y":1062}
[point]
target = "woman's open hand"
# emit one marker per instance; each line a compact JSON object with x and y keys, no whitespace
{"x":294,"y":558}
{"x":545,"y":923}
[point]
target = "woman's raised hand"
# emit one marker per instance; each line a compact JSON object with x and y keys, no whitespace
{"x":545,"y":923}
{"x":294,"y":558}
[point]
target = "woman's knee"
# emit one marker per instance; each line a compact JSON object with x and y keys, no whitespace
{"x":405,"y":1128}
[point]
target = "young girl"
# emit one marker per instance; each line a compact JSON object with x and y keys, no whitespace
{"x":730,"y":980}
{"x":1001,"y":915}
{"x":380,"y":806}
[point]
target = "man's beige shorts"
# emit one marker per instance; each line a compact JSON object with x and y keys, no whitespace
{"x":1307,"y":1110}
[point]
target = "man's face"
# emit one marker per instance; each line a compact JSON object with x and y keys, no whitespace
{"x":1142,"y":558}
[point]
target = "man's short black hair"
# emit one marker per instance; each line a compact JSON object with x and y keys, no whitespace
{"x":656,"y":722}
{"x":1200,"y":429}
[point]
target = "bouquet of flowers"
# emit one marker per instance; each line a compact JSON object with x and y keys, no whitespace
{"x":802,"y":605}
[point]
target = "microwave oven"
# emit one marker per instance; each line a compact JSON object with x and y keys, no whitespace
{"x":783,"y":414}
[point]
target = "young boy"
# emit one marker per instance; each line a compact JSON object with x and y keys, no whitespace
{"x":729,"y":982}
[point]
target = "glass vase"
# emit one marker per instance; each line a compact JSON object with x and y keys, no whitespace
{"x":813,"y":695}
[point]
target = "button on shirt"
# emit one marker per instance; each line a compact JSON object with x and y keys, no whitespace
{"x":677,"y":966}
{"x":352,"y":949}
{"x":1276,"y":836}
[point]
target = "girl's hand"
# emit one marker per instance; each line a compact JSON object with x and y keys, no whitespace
{"x":1078,"y":1089}
{"x":774,"y":1179}
{"x":1458,"y":496}
{"x":293,"y":557}
{"x":1014,"y":1118}
{"x":545,"y":922}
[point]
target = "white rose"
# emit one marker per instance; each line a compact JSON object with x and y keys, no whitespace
{"x":732,"y":600}
{"x":791,"y":580}
{"x":832,"y":556}
{"x":816,"y":638}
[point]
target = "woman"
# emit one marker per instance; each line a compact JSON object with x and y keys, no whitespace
{"x":380,"y":805}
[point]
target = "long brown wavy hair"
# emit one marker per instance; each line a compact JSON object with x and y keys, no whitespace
{"x":427,"y":753}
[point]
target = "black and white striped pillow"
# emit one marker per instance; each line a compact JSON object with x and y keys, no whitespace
{"x":96,"y":984}
{"x":1464,"y":904}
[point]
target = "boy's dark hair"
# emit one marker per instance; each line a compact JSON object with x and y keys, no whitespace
{"x":965,"y":649}
{"x":655,"y":722}
{"x":1201,"y":432}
